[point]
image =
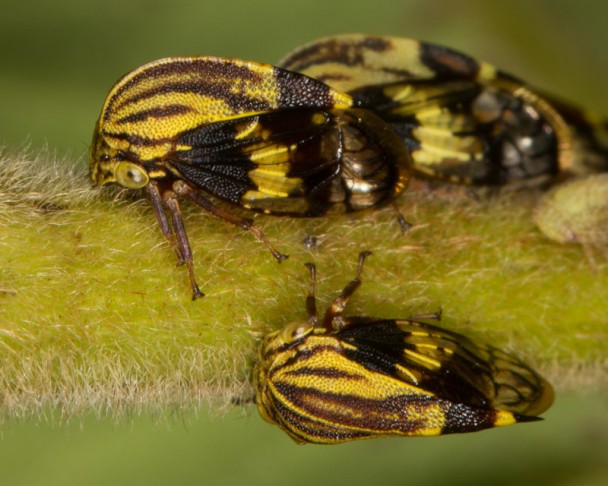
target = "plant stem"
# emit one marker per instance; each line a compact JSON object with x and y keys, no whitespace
{"x":95,"y":315}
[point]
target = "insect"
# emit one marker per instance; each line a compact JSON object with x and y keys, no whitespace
{"x":463,"y":120}
{"x":253,"y":135}
{"x":345,"y":378}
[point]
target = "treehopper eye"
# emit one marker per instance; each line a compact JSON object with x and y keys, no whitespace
{"x":248,"y":134}
{"x":463,"y":120}
{"x":345,"y":378}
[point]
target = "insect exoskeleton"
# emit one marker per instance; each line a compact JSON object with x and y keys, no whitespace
{"x":463,"y":120}
{"x":246,"y":133}
{"x":345,"y":378}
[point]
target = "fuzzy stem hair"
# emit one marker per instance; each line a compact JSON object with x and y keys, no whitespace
{"x":96,"y":317}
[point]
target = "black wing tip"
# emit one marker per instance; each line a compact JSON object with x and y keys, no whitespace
{"x":519,"y":418}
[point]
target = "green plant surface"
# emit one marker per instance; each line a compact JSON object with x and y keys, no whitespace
{"x":576,"y":212}
{"x":95,"y":315}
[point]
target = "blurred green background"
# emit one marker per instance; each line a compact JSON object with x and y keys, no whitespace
{"x":59,"y":59}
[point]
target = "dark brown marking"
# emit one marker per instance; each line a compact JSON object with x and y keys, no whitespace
{"x":324,"y":373}
{"x":386,"y":415}
{"x":349,"y":53}
{"x":447,"y":62}
{"x":158,"y":112}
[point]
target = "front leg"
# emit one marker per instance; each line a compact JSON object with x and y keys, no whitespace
{"x":169,"y":199}
{"x":163,"y":222}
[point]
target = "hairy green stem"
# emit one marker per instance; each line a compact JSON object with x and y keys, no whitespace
{"x":95,"y":315}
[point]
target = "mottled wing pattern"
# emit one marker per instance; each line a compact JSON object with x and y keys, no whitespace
{"x":465,"y":133}
{"x":259,"y":157}
{"x":463,"y":120}
{"x":318,"y":393}
{"x":377,"y":378}
{"x":152,"y":106}
{"x":294,"y":162}
{"x":448,"y":364}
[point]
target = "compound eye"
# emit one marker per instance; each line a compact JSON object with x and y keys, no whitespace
{"x":295,"y":332}
{"x":130,"y":175}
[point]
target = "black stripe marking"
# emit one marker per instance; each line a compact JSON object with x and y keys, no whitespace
{"x":159,"y":112}
{"x":387,"y":415}
{"x":448,"y":63}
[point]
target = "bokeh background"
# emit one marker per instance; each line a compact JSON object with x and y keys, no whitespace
{"x":57,"y":62}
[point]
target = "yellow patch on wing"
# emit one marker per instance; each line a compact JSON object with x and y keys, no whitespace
{"x":273,"y":155}
{"x":429,"y":155}
{"x":438,"y":117}
{"x":421,"y":358}
{"x":361,"y":382}
{"x":245,"y":130}
{"x":342,"y":101}
{"x":268,"y":89}
{"x":439,"y":146}
{"x":151,"y":152}
{"x":431,"y":417}
{"x":487,"y":72}
{"x":504,"y":418}
{"x":271,"y":183}
{"x":373,"y":66}
{"x":270,"y":175}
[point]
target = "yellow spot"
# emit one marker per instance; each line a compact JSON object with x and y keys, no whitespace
{"x":432,"y":363}
{"x":257,"y":195}
{"x":419,"y":333}
{"x":504,"y":418}
{"x":157,"y":174}
{"x":318,"y":119}
{"x":153,"y":151}
{"x":399,"y":93}
{"x":341,"y":100}
{"x":408,"y":373}
{"x":272,"y":155}
{"x":246,"y":130}
{"x":432,"y":416}
{"x":487,"y":72}
{"x":431,"y":155}
{"x":272,"y":183}
{"x":430,"y":113}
